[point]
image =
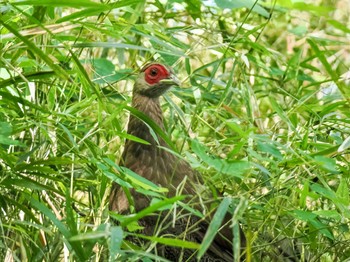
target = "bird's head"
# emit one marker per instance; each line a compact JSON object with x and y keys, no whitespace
{"x":154,"y":80}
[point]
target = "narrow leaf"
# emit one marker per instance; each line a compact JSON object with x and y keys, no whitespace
{"x":214,"y":226}
{"x":149,"y":210}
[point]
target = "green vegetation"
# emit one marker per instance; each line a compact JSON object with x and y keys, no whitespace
{"x":263,"y":113}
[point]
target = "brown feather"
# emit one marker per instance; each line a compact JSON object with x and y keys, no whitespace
{"x":164,"y":169}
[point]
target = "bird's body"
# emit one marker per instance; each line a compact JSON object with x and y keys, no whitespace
{"x":163,"y":168}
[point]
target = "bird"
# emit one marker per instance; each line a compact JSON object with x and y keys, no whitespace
{"x":153,"y":162}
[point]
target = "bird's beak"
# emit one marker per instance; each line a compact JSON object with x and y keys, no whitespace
{"x":172,"y":80}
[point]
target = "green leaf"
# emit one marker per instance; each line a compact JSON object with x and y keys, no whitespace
{"x":321,"y":10}
{"x":93,"y":8}
{"x":152,"y":125}
{"x":299,"y":30}
{"x":104,"y":71}
{"x":26,"y":209}
{"x":323,"y":229}
{"x":342,"y":192}
{"x":321,"y":56}
{"x":5,"y":132}
{"x":304,"y":194}
{"x":236,"y":128}
{"x":327,"y":163}
{"x":345,"y":145}
{"x":28,"y":183}
{"x":233,"y":168}
{"x":129,"y":46}
{"x":280,"y":112}
{"x":5,"y":129}
{"x":312,"y":219}
{"x":214,"y":226}
{"x":326,"y":192}
{"x":116,"y":240}
{"x":339,"y":25}
{"x":231,"y":4}
{"x":33,"y":48}
{"x":141,"y":181}
{"x":113,"y":177}
{"x":89,"y":236}
{"x":131,"y":177}
{"x":270,"y":149}
{"x":329,"y":214}
{"x":155,"y":207}
{"x":8,"y":141}
{"x":48,"y":213}
{"x":57,"y":3}
{"x":171,"y":242}
{"x":304,"y":215}
{"x":194,"y":8}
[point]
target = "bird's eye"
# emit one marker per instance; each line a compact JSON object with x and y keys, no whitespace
{"x":154,"y":71}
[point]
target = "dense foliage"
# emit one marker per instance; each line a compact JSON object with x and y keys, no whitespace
{"x":263,"y":112}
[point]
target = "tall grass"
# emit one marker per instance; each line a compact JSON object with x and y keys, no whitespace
{"x":263,"y":112}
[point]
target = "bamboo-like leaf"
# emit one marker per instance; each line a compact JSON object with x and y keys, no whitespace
{"x":29,"y":77}
{"x":152,"y":125}
{"x":172,"y":242}
{"x":31,"y":46}
{"x":60,"y":3}
{"x":116,"y":239}
{"x":158,"y":205}
{"x":128,"y":46}
{"x":214,"y":226}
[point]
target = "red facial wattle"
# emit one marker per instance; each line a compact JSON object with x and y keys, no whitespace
{"x":154,"y":73}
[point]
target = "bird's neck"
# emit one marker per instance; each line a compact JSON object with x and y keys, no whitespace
{"x":151,"y":108}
